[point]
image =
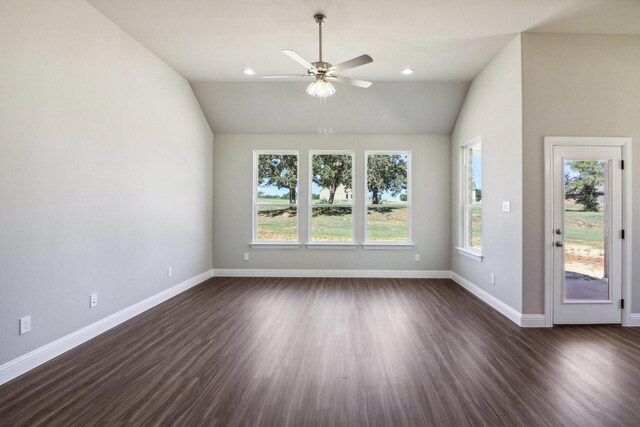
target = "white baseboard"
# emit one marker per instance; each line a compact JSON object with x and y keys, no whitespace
{"x":26,"y":362}
{"x":523,"y":320}
{"x":533,"y":321}
{"x":506,"y":310}
{"x":250,"y":272}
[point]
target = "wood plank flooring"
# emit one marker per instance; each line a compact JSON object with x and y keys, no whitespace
{"x":333,"y":352}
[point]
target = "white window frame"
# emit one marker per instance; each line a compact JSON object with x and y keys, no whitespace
{"x":283,"y":244}
{"x":465,"y":248}
{"x":408,"y":244}
{"x":332,"y":244}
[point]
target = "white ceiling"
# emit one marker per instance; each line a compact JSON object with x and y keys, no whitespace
{"x":427,"y":108}
{"x":213,"y":40}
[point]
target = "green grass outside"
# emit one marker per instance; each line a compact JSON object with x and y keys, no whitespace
{"x":387,"y":224}
{"x":476,"y":228}
{"x":584,"y":228}
{"x":332,"y":224}
{"x":384,"y":224}
{"x":277,"y":224}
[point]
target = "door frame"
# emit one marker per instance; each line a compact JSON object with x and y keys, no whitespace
{"x":625,"y":144}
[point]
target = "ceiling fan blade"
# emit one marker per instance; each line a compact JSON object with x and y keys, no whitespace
{"x":299,"y":59}
{"x":350,"y":81}
{"x":352,"y":63}
{"x":285,"y":76}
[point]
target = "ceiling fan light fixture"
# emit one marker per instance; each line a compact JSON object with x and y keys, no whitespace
{"x":320,"y":88}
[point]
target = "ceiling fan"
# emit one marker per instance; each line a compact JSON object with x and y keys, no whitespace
{"x":323,"y":73}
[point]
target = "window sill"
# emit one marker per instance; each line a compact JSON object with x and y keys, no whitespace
{"x":476,"y":256}
{"x":275,"y":245}
{"x":331,"y":245}
{"x":387,"y":245}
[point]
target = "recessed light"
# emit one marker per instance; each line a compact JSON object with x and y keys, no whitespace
{"x":248,"y":71}
{"x":407,"y":71}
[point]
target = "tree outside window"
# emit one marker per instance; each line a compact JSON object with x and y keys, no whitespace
{"x":331,"y":197}
{"x":275,"y":201}
{"x":388,"y":197}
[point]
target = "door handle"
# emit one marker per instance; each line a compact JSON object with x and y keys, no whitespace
{"x":558,"y":231}
{"x":559,"y":244}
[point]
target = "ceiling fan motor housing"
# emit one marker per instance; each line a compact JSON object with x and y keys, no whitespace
{"x":322,"y":66}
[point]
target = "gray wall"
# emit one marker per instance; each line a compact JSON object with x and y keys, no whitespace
{"x":386,"y":108}
{"x":574,"y":85}
{"x":493,"y":111}
{"x":233,"y":156}
{"x":105,"y":172}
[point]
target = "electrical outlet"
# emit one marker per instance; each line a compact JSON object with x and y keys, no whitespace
{"x":493,"y":278}
{"x":416,"y":257}
{"x":506,"y":206}
{"x":246,"y":256}
{"x":169,"y":271}
{"x":93,"y":300}
{"x":25,"y":325}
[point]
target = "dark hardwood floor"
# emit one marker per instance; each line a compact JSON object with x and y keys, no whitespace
{"x":334,"y":352}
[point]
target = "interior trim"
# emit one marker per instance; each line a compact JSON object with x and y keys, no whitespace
{"x":264,"y":245}
{"x":411,"y":274}
{"x":523,"y":320}
{"x":331,"y":245}
{"x":533,"y":321}
{"x":470,"y":254}
{"x":387,"y":245}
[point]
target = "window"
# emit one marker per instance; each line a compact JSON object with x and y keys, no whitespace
{"x":388,"y":204}
{"x":275,"y":201}
{"x":472,"y":196}
{"x":331,"y":197}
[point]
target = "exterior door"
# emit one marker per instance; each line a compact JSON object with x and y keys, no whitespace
{"x":587,"y":234}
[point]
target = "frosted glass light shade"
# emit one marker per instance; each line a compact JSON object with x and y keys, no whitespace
{"x":321,"y":89}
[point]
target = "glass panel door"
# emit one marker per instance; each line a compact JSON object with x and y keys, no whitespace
{"x":587,"y":245}
{"x":586,"y":215}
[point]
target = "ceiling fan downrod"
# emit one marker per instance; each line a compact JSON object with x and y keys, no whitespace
{"x":320,"y":20}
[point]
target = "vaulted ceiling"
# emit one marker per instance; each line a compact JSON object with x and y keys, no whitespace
{"x":443,"y":41}
{"x":384,"y":108}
